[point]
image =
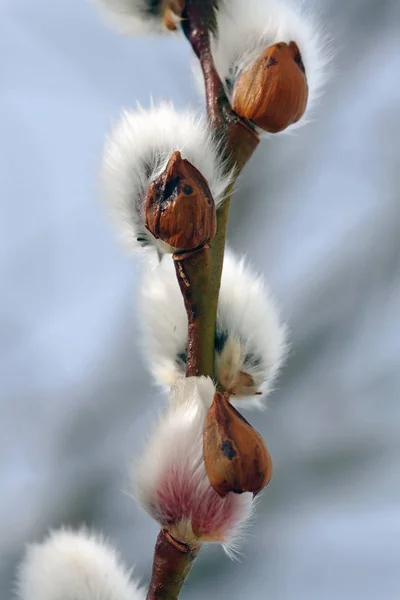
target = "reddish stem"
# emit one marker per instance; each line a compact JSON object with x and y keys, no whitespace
{"x":171,"y":566}
{"x":195,"y":277}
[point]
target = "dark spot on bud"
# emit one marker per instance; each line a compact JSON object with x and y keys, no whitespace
{"x":228,"y":450}
{"x":187,"y":189}
{"x":270,"y":61}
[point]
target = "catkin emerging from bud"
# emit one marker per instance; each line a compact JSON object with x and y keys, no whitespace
{"x":147,"y":149}
{"x":272,"y":57}
{"x":250,"y":340}
{"x":171,"y":479}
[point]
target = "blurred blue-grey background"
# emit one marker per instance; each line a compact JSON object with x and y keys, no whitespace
{"x":318,"y":213}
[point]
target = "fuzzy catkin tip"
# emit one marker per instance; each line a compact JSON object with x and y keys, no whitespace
{"x":171,"y":482}
{"x":138,"y":151}
{"x":250,"y":341}
{"x":244,"y":32}
{"x":77,"y":565}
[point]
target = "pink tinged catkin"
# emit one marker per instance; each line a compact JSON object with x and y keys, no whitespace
{"x":171,"y":480}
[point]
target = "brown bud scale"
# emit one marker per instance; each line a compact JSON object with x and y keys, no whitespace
{"x":273,"y":91}
{"x":179,"y":207}
{"x":171,"y":13}
{"x":238,"y":383}
{"x":235,"y":456}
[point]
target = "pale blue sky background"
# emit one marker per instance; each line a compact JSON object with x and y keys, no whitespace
{"x":318,"y":213}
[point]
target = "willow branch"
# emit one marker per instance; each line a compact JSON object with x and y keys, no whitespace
{"x":199,"y":271}
{"x":171,"y":566}
{"x":238,"y":142}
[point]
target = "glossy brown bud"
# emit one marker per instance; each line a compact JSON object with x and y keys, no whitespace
{"x":171,"y":11}
{"x":235,"y":456}
{"x":273,"y":91}
{"x":180,"y":209}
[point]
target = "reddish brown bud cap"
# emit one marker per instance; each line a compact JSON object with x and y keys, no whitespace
{"x":180,"y":209}
{"x":273,"y":91}
{"x":235,"y":456}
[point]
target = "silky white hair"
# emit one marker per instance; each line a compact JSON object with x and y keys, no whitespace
{"x":71,"y":565}
{"x":133,"y":17}
{"x":170,"y":479}
{"x":245,"y":28}
{"x":250,"y":337}
{"x":137,"y":152}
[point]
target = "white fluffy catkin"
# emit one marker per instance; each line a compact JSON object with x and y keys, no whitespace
{"x":133,"y":17}
{"x":137,"y":152}
{"x":77,"y":565}
{"x":250,"y":340}
{"x":171,"y":482}
{"x":245,"y":28}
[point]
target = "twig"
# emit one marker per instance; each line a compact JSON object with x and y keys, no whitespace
{"x":199,"y":271}
{"x":171,"y":566}
{"x":194,"y":274}
{"x":238,"y":142}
